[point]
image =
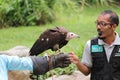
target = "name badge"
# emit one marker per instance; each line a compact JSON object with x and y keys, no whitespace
{"x":117,"y":54}
{"x":97,"y":48}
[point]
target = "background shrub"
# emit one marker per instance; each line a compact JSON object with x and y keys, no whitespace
{"x":37,"y":12}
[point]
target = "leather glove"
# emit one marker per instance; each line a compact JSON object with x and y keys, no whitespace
{"x":41,"y":65}
{"x":60,"y":60}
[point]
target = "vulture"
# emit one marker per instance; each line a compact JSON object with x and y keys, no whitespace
{"x":53,"y":39}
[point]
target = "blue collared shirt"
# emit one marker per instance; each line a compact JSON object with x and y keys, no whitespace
{"x":13,"y":63}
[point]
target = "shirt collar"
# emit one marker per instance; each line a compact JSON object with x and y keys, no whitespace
{"x":116,"y":41}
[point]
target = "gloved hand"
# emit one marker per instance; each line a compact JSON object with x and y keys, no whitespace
{"x":43,"y":64}
{"x":60,"y":60}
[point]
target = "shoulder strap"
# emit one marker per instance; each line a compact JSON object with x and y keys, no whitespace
{"x":94,"y":41}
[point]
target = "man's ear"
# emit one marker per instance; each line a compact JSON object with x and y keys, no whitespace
{"x":114,"y":26}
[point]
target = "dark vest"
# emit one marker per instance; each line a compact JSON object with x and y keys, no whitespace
{"x":102,"y":69}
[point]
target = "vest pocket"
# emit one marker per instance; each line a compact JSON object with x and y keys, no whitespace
{"x":98,"y":64}
{"x":116,"y":62}
{"x":97,"y":77}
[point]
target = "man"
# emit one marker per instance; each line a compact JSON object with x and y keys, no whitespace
{"x":101,"y":55}
{"x":39,"y":65}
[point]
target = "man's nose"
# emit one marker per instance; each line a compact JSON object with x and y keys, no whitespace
{"x":98,"y":26}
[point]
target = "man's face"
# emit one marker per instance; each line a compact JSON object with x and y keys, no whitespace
{"x":104,"y":26}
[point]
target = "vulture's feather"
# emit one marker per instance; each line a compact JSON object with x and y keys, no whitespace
{"x":53,"y":39}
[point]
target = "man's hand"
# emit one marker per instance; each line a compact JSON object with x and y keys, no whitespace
{"x":74,"y":58}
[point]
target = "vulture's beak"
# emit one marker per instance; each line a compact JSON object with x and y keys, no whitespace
{"x":76,"y":36}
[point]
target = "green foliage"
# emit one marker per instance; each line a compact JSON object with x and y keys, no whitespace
{"x":36,"y":12}
{"x":24,"y":12}
{"x":29,"y":12}
{"x":101,"y":2}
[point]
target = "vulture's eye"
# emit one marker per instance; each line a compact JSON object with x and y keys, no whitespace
{"x":72,"y":34}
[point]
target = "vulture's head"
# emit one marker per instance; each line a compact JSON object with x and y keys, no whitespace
{"x":53,"y":39}
{"x":71,"y":35}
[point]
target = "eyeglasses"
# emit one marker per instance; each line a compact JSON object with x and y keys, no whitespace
{"x":102,"y":24}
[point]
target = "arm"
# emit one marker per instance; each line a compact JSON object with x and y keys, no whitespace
{"x":83,"y":68}
{"x":42,"y":65}
{"x":85,"y":65}
{"x":39,"y":65}
{"x":17,"y":63}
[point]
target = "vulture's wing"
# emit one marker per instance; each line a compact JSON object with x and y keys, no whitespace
{"x":47,"y":40}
